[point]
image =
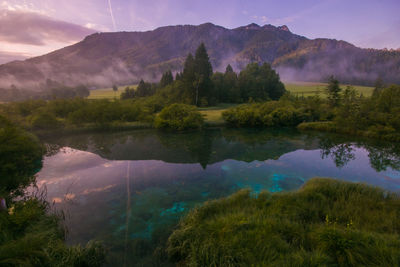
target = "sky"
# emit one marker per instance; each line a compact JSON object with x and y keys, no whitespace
{"x":34,"y":27}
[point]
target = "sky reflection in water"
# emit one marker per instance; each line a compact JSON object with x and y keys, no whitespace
{"x":120,"y":187}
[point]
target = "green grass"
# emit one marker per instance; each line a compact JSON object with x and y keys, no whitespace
{"x":213,"y":115}
{"x":310,"y":88}
{"x":325,"y":223}
{"x":297,"y":88}
{"x":107,"y":93}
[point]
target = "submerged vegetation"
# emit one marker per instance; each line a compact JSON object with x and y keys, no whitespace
{"x":325,"y":223}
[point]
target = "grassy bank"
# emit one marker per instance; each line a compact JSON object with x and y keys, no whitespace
{"x":384,"y":133}
{"x":325,"y":223}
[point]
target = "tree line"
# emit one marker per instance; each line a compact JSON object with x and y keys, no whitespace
{"x":198,"y":85}
{"x":50,"y":90}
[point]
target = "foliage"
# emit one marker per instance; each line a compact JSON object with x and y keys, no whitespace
{"x":32,"y":237}
{"x":326,"y":223}
{"x":179,"y":117}
{"x":20,"y":158}
{"x":166,"y":79}
{"x":333,"y":91}
{"x":51,"y":90}
{"x":145,"y":89}
{"x":375,"y":117}
{"x":267,"y":114}
{"x":260,"y":83}
{"x":54,"y":114}
{"x":128,"y":93}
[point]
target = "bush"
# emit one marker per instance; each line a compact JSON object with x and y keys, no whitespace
{"x":45,"y":120}
{"x":20,"y":157}
{"x":325,"y":223}
{"x":266,"y":114}
{"x":179,"y":117}
{"x":32,"y":237}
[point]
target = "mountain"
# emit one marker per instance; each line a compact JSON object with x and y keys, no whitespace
{"x":102,"y":59}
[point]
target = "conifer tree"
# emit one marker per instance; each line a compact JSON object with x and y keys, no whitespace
{"x":203,"y":73}
{"x":166,"y":79}
{"x":333,"y":90}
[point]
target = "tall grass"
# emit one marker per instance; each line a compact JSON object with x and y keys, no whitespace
{"x":325,"y":223}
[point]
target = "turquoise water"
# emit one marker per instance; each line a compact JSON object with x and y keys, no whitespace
{"x":128,"y":189}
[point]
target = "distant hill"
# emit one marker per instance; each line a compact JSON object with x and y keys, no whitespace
{"x":103,"y":59}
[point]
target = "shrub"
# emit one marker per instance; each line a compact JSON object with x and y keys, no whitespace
{"x":179,"y":117}
{"x":20,"y":157}
{"x":45,"y":120}
{"x":266,"y":114}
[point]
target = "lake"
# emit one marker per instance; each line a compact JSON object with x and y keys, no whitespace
{"x":129,"y":189}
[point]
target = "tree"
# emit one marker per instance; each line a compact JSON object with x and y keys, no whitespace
{"x":178,"y":76}
{"x":115,"y":89}
{"x":203,"y":72}
{"x":379,"y":86}
{"x":166,"y":79}
{"x":260,"y":83}
{"x":231,"y":91}
{"x":20,"y":158}
{"x":188,"y":75}
{"x":333,"y":91}
{"x":219,"y":86}
{"x":143,"y":89}
{"x":128,"y":93}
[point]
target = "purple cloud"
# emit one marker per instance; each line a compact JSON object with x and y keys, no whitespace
{"x":36,"y":29}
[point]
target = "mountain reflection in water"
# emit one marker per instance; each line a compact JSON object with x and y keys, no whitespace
{"x":130,"y":186}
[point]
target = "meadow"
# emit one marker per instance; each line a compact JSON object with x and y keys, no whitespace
{"x":213,"y":115}
{"x":108,"y":93}
{"x":297,"y":88}
{"x":312,"y":88}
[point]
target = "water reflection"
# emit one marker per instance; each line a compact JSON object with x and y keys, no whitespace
{"x":129,"y":188}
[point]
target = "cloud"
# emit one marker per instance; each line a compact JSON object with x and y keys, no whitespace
{"x":264,"y":19}
{"x":31,"y":28}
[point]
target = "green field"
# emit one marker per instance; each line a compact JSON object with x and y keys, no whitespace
{"x":297,"y":88}
{"x":310,"y":88}
{"x":107,"y":93}
{"x":213,"y":115}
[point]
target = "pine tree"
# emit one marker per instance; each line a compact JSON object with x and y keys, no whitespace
{"x":188,"y":76}
{"x":379,"y":86}
{"x":333,"y":90}
{"x":166,"y":79}
{"x":231,"y":91}
{"x":203,"y":73}
{"x":143,"y":89}
{"x":228,"y":69}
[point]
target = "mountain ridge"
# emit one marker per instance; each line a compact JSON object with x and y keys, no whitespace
{"x":103,"y":59}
